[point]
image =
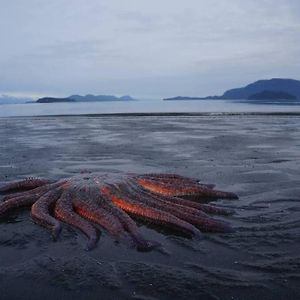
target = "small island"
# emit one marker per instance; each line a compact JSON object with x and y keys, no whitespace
{"x":272,"y":95}
{"x":54,"y":100}
{"x":86,"y":98}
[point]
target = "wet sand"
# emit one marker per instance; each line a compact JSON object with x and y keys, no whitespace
{"x":256,"y":157}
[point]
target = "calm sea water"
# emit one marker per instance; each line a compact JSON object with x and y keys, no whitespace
{"x":146,"y":106}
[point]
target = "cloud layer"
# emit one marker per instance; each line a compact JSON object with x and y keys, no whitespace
{"x":145,"y":48}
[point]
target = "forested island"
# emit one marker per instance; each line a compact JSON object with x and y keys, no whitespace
{"x":272,"y":95}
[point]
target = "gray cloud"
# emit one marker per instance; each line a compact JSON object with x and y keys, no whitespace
{"x":145,"y":48}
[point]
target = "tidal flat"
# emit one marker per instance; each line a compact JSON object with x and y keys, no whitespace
{"x":254,"y":156}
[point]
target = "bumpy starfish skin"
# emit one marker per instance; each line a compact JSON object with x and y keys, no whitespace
{"x":91,"y":199}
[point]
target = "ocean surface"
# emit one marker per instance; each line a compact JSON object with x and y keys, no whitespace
{"x":148,"y":107}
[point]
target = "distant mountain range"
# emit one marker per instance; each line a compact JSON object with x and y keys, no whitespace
{"x":86,"y":98}
{"x":272,"y":89}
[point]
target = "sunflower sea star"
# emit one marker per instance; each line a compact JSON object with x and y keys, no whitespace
{"x":109,"y":200}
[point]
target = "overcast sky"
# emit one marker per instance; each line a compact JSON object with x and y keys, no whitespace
{"x":147,"y":48}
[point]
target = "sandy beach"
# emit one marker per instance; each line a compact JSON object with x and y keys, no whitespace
{"x":256,"y":157}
